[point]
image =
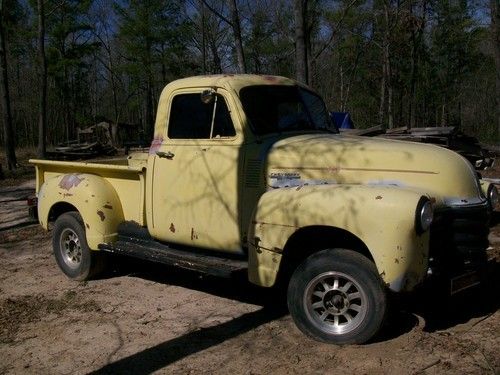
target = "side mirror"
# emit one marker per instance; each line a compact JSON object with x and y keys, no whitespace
{"x":207,"y":96}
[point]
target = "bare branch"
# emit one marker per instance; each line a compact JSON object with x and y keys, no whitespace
{"x":56,"y":7}
{"x":335,"y":29}
{"x":217,"y":13}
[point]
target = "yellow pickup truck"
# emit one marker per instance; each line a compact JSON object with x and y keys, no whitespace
{"x":247,"y":174}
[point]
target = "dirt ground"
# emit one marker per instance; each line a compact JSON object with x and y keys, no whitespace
{"x":143,"y":318}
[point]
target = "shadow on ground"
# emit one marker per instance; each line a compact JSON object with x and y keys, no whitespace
{"x":238,"y":288}
{"x":168,"y":352}
{"x":273,"y":306}
{"x":438,"y":311}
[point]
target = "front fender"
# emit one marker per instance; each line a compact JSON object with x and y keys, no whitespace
{"x":95,"y":199}
{"x":383,"y":217}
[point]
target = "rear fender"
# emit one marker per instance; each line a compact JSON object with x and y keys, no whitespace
{"x":95,"y":199}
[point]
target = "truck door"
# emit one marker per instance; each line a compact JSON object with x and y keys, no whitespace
{"x":195,"y":178}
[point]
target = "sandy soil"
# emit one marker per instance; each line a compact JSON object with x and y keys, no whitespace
{"x":143,"y":318}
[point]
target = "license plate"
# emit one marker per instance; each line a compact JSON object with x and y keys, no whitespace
{"x":465,"y":281}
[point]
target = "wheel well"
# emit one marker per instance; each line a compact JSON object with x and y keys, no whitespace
{"x":58,"y":209}
{"x":309,"y":240}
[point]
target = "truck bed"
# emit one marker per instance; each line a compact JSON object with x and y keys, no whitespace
{"x":127,"y":176}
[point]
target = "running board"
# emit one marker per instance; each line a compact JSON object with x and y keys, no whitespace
{"x":191,"y":260}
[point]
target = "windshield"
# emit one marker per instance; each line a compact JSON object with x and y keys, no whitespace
{"x":276,"y":109}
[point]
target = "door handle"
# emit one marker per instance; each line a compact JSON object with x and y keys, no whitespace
{"x":167,"y":155}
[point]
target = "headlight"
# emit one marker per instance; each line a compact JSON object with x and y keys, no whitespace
{"x":424,"y":215}
{"x":492,"y":196}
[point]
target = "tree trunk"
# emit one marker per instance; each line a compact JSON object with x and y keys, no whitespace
{"x":235,"y":20}
{"x":115,"y":98}
{"x":381,"y":109}
{"x":149,"y":108}
{"x":350,"y":79}
{"x":341,"y":74}
{"x":443,"y":113}
{"x":495,"y":38}
{"x":8,"y":130}
{"x":390,"y":115}
{"x":301,"y":58}
{"x":42,"y":114}
{"x":413,"y":75}
{"x":217,"y":64}
{"x":203,"y":40}
{"x":387,"y":63}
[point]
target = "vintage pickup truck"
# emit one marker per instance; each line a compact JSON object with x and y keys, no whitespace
{"x":246,"y":174}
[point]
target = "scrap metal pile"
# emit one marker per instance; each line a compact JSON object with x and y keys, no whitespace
{"x":92,"y":142}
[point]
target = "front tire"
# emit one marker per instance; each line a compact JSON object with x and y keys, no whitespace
{"x":72,"y":253}
{"x":336,"y":296}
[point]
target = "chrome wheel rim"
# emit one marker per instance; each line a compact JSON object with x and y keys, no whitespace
{"x":71,"y":249}
{"x":335,"y":303}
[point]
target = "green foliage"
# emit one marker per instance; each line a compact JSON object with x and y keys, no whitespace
{"x":111,"y":59}
{"x":268,"y":45}
{"x":152,"y":33}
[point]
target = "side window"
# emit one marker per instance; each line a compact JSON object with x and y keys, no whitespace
{"x":223,"y":126}
{"x":190,"y":118}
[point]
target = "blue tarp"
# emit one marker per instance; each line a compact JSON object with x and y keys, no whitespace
{"x":342,"y":120}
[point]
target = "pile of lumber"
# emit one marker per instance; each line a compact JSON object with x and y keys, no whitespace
{"x":74,"y":150}
{"x":92,"y":142}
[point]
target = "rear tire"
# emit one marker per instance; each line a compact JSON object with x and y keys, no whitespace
{"x":71,"y":250}
{"x":336,"y":296}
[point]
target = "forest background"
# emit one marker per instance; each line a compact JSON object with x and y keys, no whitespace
{"x":68,"y":63}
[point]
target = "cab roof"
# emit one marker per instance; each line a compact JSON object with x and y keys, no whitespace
{"x":230,"y":81}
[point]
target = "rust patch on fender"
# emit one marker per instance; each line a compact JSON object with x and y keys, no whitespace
{"x":67,"y":195}
{"x":378,"y":197}
{"x":172,"y":227}
{"x":272,"y":79}
{"x":108,"y":206}
{"x":69,"y":181}
{"x":194,"y":236}
{"x":87,"y":225}
{"x":101,"y":215}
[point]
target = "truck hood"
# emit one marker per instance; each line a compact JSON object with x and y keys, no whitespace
{"x":337,"y":159}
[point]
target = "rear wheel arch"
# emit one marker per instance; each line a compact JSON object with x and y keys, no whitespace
{"x":58,"y":209}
